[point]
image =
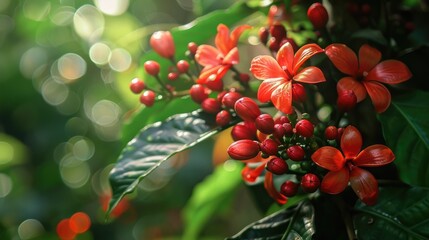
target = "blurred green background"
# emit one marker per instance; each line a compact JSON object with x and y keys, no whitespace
{"x":65,"y":66}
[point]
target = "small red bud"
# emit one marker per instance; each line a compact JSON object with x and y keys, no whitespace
{"x":192,"y":47}
{"x":182,"y":66}
{"x":331,"y":133}
{"x":223,"y":118}
{"x":220,"y":96}
{"x":147,"y":98}
{"x":318,"y":15}
{"x":289,"y":188}
{"x":340,"y":133}
{"x":263,"y":35}
{"x":230,"y":98}
{"x":273,"y":44}
{"x":247,"y":109}
{"x":295,"y":153}
{"x":304,"y":128}
{"x":265,"y":123}
{"x":298,"y":93}
{"x":163,"y":44}
{"x":198,"y":93}
{"x":244,"y":77}
{"x":243,"y":130}
{"x":243,"y":149}
{"x":213,"y":83}
{"x":210,"y":105}
{"x":269,"y":146}
{"x":281,"y":120}
{"x":278,"y":31}
{"x":288,"y":129}
{"x":172,"y":76}
{"x":279,"y":131}
{"x":137,"y":85}
{"x":151,"y":67}
{"x":346,"y":100}
{"x":277,"y":166}
{"x":310,"y":183}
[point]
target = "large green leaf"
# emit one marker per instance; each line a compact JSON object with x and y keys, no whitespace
{"x":210,"y":197}
{"x":406,"y":130}
{"x":401,"y":213}
{"x":291,"y":223}
{"x":155,"y":144}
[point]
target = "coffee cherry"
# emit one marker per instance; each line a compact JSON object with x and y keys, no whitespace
{"x":310,"y":183}
{"x":137,"y":85}
{"x":163,"y":44}
{"x":243,"y":149}
{"x":295,"y":153}
{"x":331,"y":133}
{"x":210,"y":105}
{"x":182,"y":66}
{"x":346,"y":100}
{"x":269,"y":146}
{"x":243,"y":130}
{"x":304,"y":128}
{"x":318,"y":15}
{"x":223,"y":118}
{"x":198,"y":93}
{"x":147,"y":98}
{"x":151,"y":67}
{"x":265,"y":123}
{"x":289,"y":188}
{"x":298,"y":93}
{"x":247,"y":109}
{"x":230,"y":98}
{"x":277,"y":166}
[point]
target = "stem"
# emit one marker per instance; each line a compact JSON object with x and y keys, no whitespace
{"x":345,"y":214}
{"x":162,"y":84}
{"x":295,"y":214}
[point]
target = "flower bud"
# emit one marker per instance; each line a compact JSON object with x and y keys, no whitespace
{"x":263,"y":35}
{"x":288,"y":129}
{"x":278,"y":31}
{"x":310,"y":183}
{"x":172,"y":76}
{"x":346,"y":100}
{"x":281,"y":120}
{"x":151,"y":67}
{"x":247,"y":109}
{"x":137,"y":85}
{"x":340,"y":132}
{"x":279,"y":131}
{"x":304,"y":128}
{"x":243,"y":130}
{"x":269,"y":146}
{"x":243,"y":149}
{"x":244,"y":78}
{"x":230,"y":98}
{"x":331,"y":133}
{"x":273,"y":44}
{"x":182,"y":66}
{"x":295,"y":153}
{"x":265,"y":123}
{"x":163,"y":44}
{"x":213,"y":83}
{"x":277,"y":166}
{"x":318,"y":15}
{"x":198,"y":93}
{"x":210,"y":105}
{"x":223,"y":118}
{"x":298,"y":93}
{"x":147,"y":98}
{"x":192,"y":47}
{"x":289,"y":188}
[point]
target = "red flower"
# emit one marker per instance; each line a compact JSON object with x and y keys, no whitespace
{"x":218,"y":60}
{"x":345,"y":167}
{"x":367,"y":73}
{"x":277,"y":75}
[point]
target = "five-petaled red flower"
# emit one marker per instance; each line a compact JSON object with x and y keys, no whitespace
{"x":345,"y":167}
{"x":367,"y":73}
{"x":278,"y":74}
{"x":217,"y":61}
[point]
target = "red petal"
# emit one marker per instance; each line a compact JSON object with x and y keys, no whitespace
{"x":303,"y":54}
{"x":329,"y":158}
{"x":282,"y":97}
{"x":368,"y":58}
{"x":335,"y":182}
{"x":232,"y":57}
{"x":207,"y":72}
{"x":343,"y":58}
{"x":380,"y":95}
{"x":349,"y":83}
{"x":351,"y":142}
{"x":390,"y":72}
{"x":285,"y":56}
{"x":267,"y":87}
{"x":310,"y":75}
{"x":236,"y":33}
{"x":266,"y":67}
{"x":271,"y":189}
{"x":374,"y":155}
{"x":207,"y":55}
{"x":222,"y":41}
{"x":251,"y":174}
{"x":364,"y":185}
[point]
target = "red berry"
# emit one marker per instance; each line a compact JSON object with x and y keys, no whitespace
{"x":192,"y":47}
{"x":163,"y":44}
{"x":243,"y":130}
{"x":210,"y":105}
{"x":289,"y":188}
{"x":298,"y":93}
{"x":346,"y":100}
{"x":331,"y":133}
{"x":277,"y":166}
{"x":310,"y":183}
{"x":137,"y":85}
{"x":265,"y":123}
{"x":247,"y":109}
{"x":213,"y":83}
{"x":172,"y":76}
{"x":147,"y":98}
{"x":230,"y":98}
{"x":304,"y":128}
{"x":198,"y":93}
{"x":182,"y":66}
{"x":318,"y":15}
{"x":269,"y":146}
{"x":263,"y":35}
{"x":151,"y":67}
{"x":295,"y":153}
{"x":278,"y":31}
{"x":243,"y":149}
{"x":223,"y":118}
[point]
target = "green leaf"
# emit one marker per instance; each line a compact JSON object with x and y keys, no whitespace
{"x":371,"y":35}
{"x":209,"y":197}
{"x":155,"y":144}
{"x":291,"y":223}
{"x":406,"y":130}
{"x":259,"y":3}
{"x":401,"y":213}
